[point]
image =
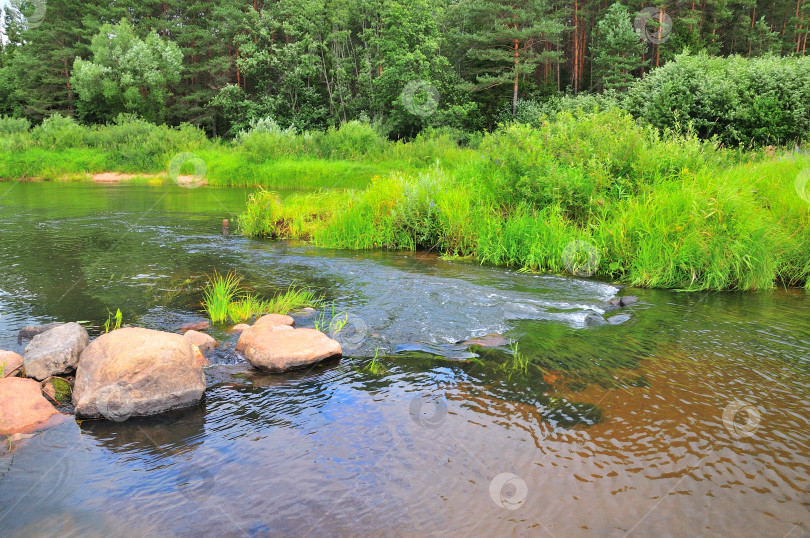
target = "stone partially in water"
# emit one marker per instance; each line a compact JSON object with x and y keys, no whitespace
{"x":618,"y":319}
{"x":240,"y":327}
{"x":487,"y":341}
{"x":135,"y":372}
{"x":201,"y":340}
{"x":274,"y":319}
{"x":30,"y":331}
{"x":56,"y":351}
{"x":627,"y":300}
{"x":195,"y":326}
{"x":595,"y":320}
{"x":11,"y":363}
{"x":282,"y":350}
{"x":23,"y":408}
{"x":250,"y":333}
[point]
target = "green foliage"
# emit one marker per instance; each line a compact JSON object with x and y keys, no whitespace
{"x":113,"y":322}
{"x":664,"y":211}
{"x":224,"y":298}
{"x":618,"y":50}
{"x":219,"y":293}
{"x":755,"y":101}
{"x":127,"y":74}
{"x":13,"y":125}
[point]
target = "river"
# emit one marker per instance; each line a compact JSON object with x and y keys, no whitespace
{"x":690,"y":418}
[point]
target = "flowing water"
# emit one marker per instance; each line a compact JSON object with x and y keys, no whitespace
{"x":690,"y":418}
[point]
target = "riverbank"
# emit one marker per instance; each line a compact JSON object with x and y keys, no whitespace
{"x":583,"y":193}
{"x":592,"y":194}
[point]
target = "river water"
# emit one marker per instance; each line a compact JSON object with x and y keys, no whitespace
{"x":690,"y":418}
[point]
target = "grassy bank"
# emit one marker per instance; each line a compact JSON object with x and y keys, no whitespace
{"x":348,"y":157}
{"x":665,"y":211}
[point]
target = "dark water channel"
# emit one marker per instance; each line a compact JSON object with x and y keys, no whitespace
{"x":688,"y":419}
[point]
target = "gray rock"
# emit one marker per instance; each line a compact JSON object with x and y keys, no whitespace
{"x":56,"y":351}
{"x":595,"y":320}
{"x":30,"y":331}
{"x":628,"y":300}
{"x":618,"y":319}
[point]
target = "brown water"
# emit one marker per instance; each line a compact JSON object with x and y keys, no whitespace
{"x":612,"y":430}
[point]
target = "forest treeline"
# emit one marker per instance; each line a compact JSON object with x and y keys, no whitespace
{"x":403,"y":65}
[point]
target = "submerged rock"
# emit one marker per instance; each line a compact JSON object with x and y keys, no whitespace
{"x":23,"y":408}
{"x":56,"y":351}
{"x":135,"y":372}
{"x":30,"y":331}
{"x":487,"y":341}
{"x":595,"y":320}
{"x":201,"y":340}
{"x":195,"y":326}
{"x":618,"y":319}
{"x":276,"y":350}
{"x":11,"y":363}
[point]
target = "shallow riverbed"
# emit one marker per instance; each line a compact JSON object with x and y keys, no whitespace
{"x":613,"y":430}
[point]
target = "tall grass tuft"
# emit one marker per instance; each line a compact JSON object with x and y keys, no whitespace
{"x":219,"y":293}
{"x":224,"y":298}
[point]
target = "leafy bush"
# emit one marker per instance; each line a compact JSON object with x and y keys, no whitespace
{"x":59,"y":132}
{"x":754,"y":101}
{"x":13,"y":125}
{"x":577,"y":159}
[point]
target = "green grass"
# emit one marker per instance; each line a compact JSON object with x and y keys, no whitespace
{"x":661,"y":211}
{"x":224,"y":298}
{"x":218,"y":295}
{"x":348,"y":157}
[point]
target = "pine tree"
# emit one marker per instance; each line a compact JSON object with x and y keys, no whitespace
{"x":618,"y":49}
{"x":508,"y":40}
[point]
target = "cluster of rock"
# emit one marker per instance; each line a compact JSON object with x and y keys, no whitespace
{"x":135,"y":371}
{"x":614,"y":304}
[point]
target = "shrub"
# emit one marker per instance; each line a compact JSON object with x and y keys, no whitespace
{"x":13,"y":125}
{"x":748,"y":101}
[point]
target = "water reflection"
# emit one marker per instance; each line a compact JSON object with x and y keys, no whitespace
{"x":612,"y":429}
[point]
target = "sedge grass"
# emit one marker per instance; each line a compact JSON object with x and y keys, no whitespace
{"x":225,"y":298}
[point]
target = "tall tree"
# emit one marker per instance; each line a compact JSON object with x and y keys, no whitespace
{"x":508,"y":40}
{"x":618,"y":49}
{"x":126,"y":74}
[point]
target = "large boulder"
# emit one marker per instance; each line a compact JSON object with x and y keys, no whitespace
{"x":201,"y":340}
{"x":23,"y":408}
{"x":56,"y":351}
{"x":274,"y":319}
{"x":30,"y":331}
{"x":11,"y":363}
{"x":250,"y":333}
{"x":275,"y":350}
{"x":136,"y":372}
